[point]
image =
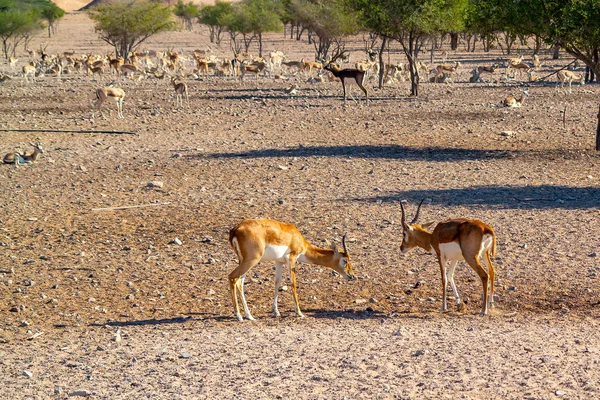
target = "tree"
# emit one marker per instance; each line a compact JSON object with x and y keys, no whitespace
{"x":18,"y":20}
{"x":52,"y":14}
{"x":187,"y":13}
{"x":410,"y":22}
{"x":263,"y":16}
{"x":330,"y":20}
{"x":574,"y":25}
{"x":127,"y":25}
{"x":238,"y":22}
{"x":215,"y":17}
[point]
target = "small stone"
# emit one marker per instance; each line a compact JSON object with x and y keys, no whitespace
{"x":210,"y":292}
{"x":155,"y":184}
{"x":176,"y":241}
{"x":32,"y":219}
{"x":284,"y":288}
{"x":58,"y":390}
{"x":82,"y":168}
{"x":185,"y":355}
{"x":512,"y":288}
{"x":25,"y":323}
{"x":129,"y":297}
{"x":524,"y":246}
{"x":560,"y":393}
{"x":28,"y":282}
{"x":81,"y":393}
{"x":372,"y":300}
{"x":27,"y":374}
{"x":592,"y":254}
{"x":360,"y":301}
{"x":420,"y":353}
{"x":507,"y":133}
{"x":281,"y":167}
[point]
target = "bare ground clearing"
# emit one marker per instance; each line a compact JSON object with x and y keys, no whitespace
{"x":249,"y":150}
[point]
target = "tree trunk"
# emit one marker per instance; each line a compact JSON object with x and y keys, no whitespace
{"x":556,"y":52}
{"x":381,"y":64}
{"x":260,"y":44}
{"x":598,"y":133}
{"x":453,"y":40}
{"x":538,"y":45}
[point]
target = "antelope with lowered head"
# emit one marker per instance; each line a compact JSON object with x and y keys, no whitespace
{"x":116,"y":93}
{"x":452,"y":241}
{"x":257,"y":240}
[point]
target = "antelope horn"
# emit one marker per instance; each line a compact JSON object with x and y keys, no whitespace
{"x":403,"y":215}
{"x":344,"y":243}
{"x":417,"y":214}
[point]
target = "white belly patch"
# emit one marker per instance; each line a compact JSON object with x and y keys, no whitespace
{"x":276,"y":253}
{"x":451,"y":251}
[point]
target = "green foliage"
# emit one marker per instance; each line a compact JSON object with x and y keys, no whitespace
{"x":216,"y":18}
{"x":186,"y":12}
{"x":20,"y":19}
{"x":330,"y":20}
{"x":411,"y":22}
{"x":126,"y":25}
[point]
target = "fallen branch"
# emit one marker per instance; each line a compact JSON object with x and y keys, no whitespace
{"x":67,"y":131}
{"x":549,"y":75}
{"x":128,"y":207}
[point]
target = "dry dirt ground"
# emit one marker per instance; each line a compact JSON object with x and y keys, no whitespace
{"x":103,"y":303}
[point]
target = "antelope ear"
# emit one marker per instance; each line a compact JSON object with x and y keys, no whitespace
{"x":334,"y":247}
{"x":427,"y":225}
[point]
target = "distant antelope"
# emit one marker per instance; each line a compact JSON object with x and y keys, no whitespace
{"x":12,"y":62}
{"x":568,"y":77}
{"x":348,"y":76}
{"x":451,"y":68}
{"x":181,"y":90}
{"x":29,"y":71}
{"x":116,"y":93}
{"x":512,"y":101}
{"x":24,"y":158}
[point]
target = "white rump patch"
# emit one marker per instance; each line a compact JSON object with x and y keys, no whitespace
{"x":276,"y":253}
{"x":486,"y":243}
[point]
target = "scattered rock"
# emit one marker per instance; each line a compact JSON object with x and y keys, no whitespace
{"x":419,"y":353}
{"x":80,"y":393}
{"x":185,"y":355}
{"x":560,"y":393}
{"x":360,"y":301}
{"x":176,"y":241}
{"x":155,"y":184}
{"x":28,"y":374}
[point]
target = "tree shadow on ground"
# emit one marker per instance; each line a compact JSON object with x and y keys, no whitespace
{"x":501,"y":197}
{"x":393,"y":152}
{"x":368,"y":313}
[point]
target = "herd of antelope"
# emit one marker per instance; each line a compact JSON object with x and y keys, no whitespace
{"x":204,"y":64}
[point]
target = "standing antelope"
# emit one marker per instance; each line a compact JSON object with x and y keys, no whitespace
{"x":25,"y":158}
{"x":568,"y":76}
{"x":455,"y":240}
{"x":348,"y":76}
{"x":116,"y":93}
{"x":181,"y":90}
{"x":256,"y":240}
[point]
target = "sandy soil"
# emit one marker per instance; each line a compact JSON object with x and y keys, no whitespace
{"x":103,"y":302}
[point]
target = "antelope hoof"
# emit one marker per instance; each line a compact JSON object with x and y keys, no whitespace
{"x":239,"y":318}
{"x":300,"y":315}
{"x":275,"y":314}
